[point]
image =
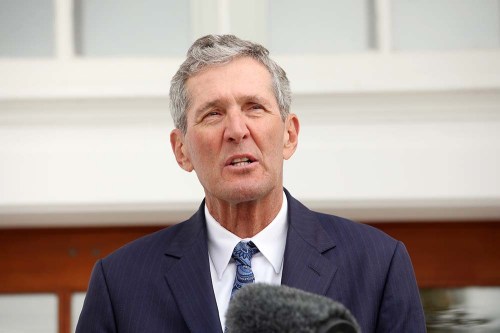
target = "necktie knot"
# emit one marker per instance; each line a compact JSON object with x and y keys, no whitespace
{"x":242,"y":255}
{"x":243,"y":252}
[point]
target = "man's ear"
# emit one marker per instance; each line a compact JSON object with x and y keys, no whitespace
{"x":291,"y":135}
{"x":177,"y":142}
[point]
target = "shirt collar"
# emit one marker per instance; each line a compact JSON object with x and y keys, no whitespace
{"x":270,"y":241}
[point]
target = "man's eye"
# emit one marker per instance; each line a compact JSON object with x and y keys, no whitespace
{"x":212,"y":114}
{"x":256,"y":107}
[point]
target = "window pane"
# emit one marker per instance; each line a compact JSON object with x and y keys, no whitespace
{"x":26,"y":28}
{"x":249,"y":20}
{"x":472,"y":309}
{"x":130,"y":27}
{"x":321,"y":26}
{"x":28,"y":313}
{"x":76,"y":307}
{"x":445,"y":24}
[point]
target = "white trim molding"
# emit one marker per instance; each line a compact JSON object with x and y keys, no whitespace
{"x":367,"y":156}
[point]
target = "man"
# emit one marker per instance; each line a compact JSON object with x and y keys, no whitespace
{"x":230,"y":103}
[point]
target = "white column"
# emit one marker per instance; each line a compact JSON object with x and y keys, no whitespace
{"x":65,"y":44}
{"x":383,"y":26}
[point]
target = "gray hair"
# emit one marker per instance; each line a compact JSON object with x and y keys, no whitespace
{"x":213,"y":50}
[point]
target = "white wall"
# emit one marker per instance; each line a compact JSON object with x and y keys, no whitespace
{"x":367,"y":156}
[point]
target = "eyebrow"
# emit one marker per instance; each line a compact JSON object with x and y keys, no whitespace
{"x":257,"y":99}
{"x":206,"y":106}
{"x":218,"y":101}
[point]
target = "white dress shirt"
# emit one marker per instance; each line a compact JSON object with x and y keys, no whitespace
{"x":267,"y":265}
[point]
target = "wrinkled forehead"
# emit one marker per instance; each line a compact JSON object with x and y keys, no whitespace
{"x":247,"y":60}
{"x":243,"y":75}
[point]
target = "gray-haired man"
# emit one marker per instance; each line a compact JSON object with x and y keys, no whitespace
{"x":231,"y":107}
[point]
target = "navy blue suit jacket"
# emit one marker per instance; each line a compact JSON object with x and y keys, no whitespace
{"x":162,"y":283}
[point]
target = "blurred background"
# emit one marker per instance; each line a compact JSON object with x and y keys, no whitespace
{"x":399,"y":102}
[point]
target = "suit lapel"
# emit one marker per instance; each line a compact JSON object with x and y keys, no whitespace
{"x":188,"y":272}
{"x":189,"y":277}
{"x":305,"y":265}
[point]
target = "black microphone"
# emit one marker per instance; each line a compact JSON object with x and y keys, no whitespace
{"x":268,"y":308}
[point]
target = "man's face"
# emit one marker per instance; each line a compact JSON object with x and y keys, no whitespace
{"x":235,"y":139}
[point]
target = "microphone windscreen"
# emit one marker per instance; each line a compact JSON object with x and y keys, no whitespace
{"x":269,"y":308}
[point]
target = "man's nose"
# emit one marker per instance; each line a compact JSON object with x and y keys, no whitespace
{"x":236,"y":127}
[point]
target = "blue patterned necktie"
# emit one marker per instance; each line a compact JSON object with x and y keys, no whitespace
{"x":242,"y":255}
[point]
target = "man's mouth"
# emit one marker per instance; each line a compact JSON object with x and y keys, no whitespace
{"x":240,"y":161}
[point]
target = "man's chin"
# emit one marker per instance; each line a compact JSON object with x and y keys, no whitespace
{"x":243,"y":193}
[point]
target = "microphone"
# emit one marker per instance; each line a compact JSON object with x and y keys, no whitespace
{"x":268,"y":308}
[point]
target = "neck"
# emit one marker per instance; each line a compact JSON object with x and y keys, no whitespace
{"x":246,"y":219}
